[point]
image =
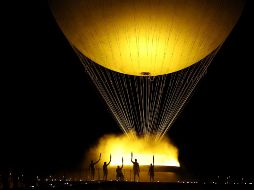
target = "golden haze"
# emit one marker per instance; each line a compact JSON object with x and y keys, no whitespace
{"x":165,"y":154}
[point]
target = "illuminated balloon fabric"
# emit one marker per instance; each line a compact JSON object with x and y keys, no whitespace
{"x":146,"y":37}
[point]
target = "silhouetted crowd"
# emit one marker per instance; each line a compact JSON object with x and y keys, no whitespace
{"x":119,"y":171}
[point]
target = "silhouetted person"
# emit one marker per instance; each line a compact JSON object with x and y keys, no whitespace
{"x":92,"y":167}
{"x":119,"y":173}
{"x":105,"y":169}
{"x":151,"y":172}
{"x":135,"y":168}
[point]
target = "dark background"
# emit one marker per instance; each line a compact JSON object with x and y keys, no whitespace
{"x":51,"y":113}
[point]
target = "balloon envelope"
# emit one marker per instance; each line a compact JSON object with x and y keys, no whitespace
{"x":143,"y":37}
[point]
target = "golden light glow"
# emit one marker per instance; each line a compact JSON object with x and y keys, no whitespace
{"x":140,"y":36}
{"x":165,"y":154}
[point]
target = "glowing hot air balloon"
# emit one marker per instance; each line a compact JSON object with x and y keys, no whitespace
{"x":130,"y":47}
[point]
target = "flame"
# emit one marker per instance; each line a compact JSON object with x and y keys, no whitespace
{"x":143,"y":149}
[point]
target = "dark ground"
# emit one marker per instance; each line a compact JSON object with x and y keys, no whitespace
{"x":114,"y":185}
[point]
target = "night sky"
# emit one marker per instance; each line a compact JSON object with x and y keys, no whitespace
{"x":51,"y":112}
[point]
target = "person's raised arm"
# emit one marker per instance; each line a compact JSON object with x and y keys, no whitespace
{"x":98,"y":160}
{"x":132,"y":158}
{"x":122,"y":163}
{"x":109,"y":160}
